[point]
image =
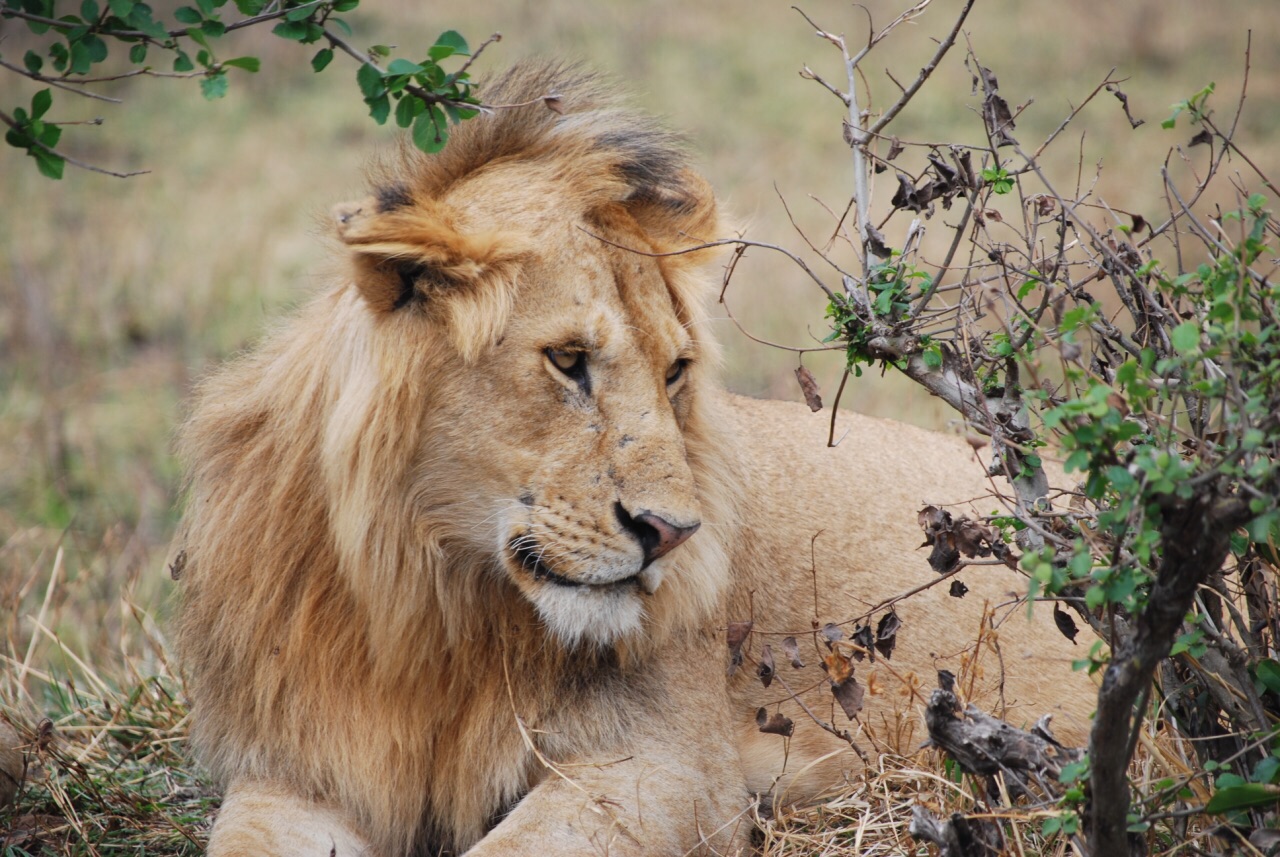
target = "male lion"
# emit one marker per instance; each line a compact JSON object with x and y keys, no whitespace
{"x":464,"y":537}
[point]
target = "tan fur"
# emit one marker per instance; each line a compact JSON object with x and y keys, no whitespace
{"x":372,"y":659}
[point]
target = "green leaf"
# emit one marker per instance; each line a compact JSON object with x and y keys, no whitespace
{"x":301,"y":13}
{"x":182,"y":62}
{"x":81,"y":61}
{"x":40,"y":103}
{"x":33,"y":62}
{"x":214,"y":86}
{"x":89,"y":10}
{"x":1266,"y":769}
{"x":249,"y":64}
{"x":403,"y":66}
{"x":97,"y":48}
{"x":406,"y":109}
{"x":58,"y":53}
{"x":322,"y":59}
{"x":379,"y":108}
{"x":140,"y":18}
{"x":212,"y":28}
{"x":340,"y":24}
{"x":430,"y":130}
{"x":251,"y":7}
{"x":50,"y":135}
{"x":120,"y":8}
{"x":49,"y":164}
{"x":188,"y":15}
{"x":1186,"y":337}
{"x":1268,"y":672}
{"x":345,"y":5}
{"x":1262,"y":530}
{"x":138,"y":53}
{"x":453,"y":39}
{"x":1242,"y":797}
{"x":370,"y":80}
{"x":294,"y":31}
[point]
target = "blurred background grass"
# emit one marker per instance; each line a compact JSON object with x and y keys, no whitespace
{"x":116,"y":294}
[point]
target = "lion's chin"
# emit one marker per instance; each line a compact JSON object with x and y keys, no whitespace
{"x":600,"y":615}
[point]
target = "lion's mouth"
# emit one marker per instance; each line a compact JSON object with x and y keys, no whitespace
{"x":530,"y":560}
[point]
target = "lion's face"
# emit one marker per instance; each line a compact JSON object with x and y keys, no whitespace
{"x":565,"y":430}
{"x":584,"y":474}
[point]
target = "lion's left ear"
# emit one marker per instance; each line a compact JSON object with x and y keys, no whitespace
{"x":414,"y":253}
{"x":677,"y":215}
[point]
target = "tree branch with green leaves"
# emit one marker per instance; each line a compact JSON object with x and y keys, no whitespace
{"x":75,"y":56}
{"x":1146,"y":359}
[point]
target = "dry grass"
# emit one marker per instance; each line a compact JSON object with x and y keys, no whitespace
{"x":115,"y":295}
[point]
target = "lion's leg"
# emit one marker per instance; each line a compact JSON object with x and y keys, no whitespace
{"x":674,"y":785}
{"x":262,"y":820}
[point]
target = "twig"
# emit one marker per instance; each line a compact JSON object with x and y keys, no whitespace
{"x":8,"y":120}
{"x":835,"y":409}
{"x":943,"y":46}
{"x":722,"y":242}
{"x":52,"y":81}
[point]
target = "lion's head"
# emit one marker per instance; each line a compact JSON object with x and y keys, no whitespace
{"x":505,"y":398}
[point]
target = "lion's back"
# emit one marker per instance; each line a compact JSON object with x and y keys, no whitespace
{"x":837,"y":527}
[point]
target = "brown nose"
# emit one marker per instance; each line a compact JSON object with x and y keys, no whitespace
{"x":657,"y":535}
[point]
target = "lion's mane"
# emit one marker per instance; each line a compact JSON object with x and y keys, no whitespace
{"x":335,"y":631}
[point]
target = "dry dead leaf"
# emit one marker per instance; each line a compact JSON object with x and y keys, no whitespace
{"x":895,"y":148}
{"x":836,"y":666}
{"x":809,"y":386}
{"x":887,"y":634}
{"x":865,"y":642}
{"x":844,"y":687}
{"x":995,"y":110}
{"x":1124,"y":102}
{"x":876,"y":243}
{"x":1065,"y":624}
{"x":764,"y":669}
{"x":792,"y":651}
{"x":774,"y":724}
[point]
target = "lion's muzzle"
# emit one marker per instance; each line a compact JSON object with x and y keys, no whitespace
{"x":657,"y":535}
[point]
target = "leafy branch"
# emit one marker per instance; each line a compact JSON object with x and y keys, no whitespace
{"x":78,"y":45}
{"x":1162,"y":396}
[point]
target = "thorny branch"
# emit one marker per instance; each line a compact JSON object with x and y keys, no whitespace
{"x":1151,"y":388}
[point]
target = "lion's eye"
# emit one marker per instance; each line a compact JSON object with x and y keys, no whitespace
{"x":676,"y":372}
{"x":571,"y":363}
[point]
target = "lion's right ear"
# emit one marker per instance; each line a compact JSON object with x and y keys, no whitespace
{"x":415,"y":254}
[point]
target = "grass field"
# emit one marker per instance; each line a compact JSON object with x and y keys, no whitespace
{"x":116,"y":294}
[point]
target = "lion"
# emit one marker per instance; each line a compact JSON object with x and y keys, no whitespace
{"x":466,"y":537}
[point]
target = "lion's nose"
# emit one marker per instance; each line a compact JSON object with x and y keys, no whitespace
{"x":657,"y":535}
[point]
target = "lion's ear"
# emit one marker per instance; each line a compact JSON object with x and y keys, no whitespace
{"x":415,"y":254}
{"x":677,"y":215}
